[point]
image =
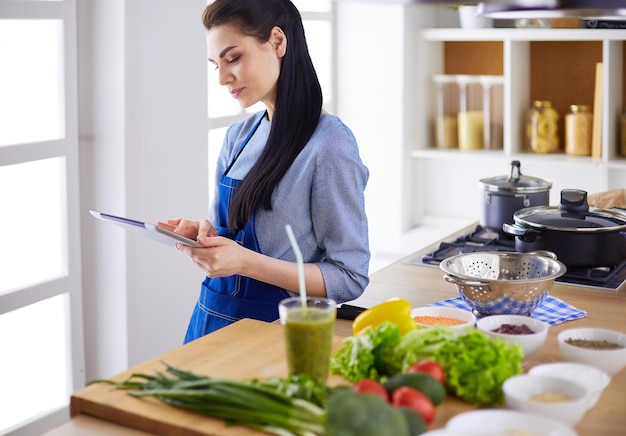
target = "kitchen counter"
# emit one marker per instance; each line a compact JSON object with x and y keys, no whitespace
{"x":255,"y":349}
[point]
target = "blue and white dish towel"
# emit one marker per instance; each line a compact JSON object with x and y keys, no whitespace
{"x":552,"y":311}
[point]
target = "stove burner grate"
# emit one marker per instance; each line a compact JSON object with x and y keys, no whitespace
{"x":483,"y":239}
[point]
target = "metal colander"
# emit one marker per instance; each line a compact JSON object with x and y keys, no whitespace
{"x":503,"y":282}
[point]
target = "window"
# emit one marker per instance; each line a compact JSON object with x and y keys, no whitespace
{"x":40,"y":294}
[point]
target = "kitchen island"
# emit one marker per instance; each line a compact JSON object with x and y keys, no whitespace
{"x":249,"y":349}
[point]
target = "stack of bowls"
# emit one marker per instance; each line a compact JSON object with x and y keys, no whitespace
{"x":551,"y":397}
{"x":591,"y":377}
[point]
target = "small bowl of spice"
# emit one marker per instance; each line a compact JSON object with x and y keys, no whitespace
{"x":594,"y":379}
{"x":602,"y":348}
{"x":452,"y":317}
{"x":528,"y":332}
{"x":552,"y":397}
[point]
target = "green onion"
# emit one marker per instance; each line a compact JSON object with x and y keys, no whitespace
{"x":248,"y":403}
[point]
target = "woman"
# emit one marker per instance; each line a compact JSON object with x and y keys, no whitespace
{"x":290,"y":164}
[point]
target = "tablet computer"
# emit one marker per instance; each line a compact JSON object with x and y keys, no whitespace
{"x":149,"y":230}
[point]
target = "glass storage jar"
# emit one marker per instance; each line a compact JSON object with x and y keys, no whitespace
{"x":493,"y":103}
{"x":446,"y":131}
{"x":471,"y":118}
{"x":578,"y":130}
{"x":542,"y":127}
{"x":623,"y":134}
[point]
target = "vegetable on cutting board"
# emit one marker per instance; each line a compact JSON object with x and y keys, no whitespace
{"x":351,"y":413}
{"x":252,"y":404}
{"x":294,"y":406}
{"x":406,"y":396}
{"x":396,"y":310}
{"x":424,"y":383}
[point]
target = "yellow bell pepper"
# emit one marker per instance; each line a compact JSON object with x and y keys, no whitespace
{"x":396,"y":310}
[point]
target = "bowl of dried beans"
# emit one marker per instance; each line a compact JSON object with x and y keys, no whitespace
{"x":528,"y":332}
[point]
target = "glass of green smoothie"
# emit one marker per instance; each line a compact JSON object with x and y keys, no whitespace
{"x":309,"y":330}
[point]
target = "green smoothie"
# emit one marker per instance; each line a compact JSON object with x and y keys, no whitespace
{"x":308,"y":340}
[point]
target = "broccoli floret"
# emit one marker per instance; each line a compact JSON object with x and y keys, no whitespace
{"x":353,"y":414}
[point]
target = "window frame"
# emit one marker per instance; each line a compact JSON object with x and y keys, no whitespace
{"x":67,"y":149}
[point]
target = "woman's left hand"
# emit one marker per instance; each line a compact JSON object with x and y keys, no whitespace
{"x":220,"y":256}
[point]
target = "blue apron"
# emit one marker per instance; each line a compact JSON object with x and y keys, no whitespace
{"x":224,"y":300}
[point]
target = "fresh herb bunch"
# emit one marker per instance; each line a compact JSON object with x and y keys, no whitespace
{"x":252,"y":404}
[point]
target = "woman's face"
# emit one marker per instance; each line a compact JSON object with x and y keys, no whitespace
{"x":247,"y":67}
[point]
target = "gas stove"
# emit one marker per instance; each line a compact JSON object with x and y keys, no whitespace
{"x":484,"y":239}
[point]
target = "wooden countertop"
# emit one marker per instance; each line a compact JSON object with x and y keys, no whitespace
{"x":220,"y":354}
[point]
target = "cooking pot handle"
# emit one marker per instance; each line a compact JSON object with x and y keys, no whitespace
{"x":515,"y":171}
{"x":574,"y":201}
{"x":457,"y":281}
{"x":523,"y":233}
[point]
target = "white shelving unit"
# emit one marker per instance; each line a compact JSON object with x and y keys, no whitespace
{"x":445,"y":181}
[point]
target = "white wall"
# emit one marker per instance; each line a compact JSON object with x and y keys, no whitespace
{"x":142,"y":69}
{"x":375,"y":97}
{"x":370,"y":85}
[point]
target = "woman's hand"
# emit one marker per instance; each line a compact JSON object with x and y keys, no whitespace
{"x":189,"y":228}
{"x":220,"y":257}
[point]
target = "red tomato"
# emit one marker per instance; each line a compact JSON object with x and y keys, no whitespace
{"x":413,"y":399}
{"x":431,"y":368}
{"x":368,"y":386}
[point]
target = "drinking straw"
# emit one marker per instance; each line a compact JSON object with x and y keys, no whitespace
{"x":296,"y":250}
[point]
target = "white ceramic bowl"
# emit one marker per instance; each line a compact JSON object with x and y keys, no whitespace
{"x":500,"y":422}
{"x":609,"y":361}
{"x":520,"y":389}
{"x":531,"y":343}
{"x":591,"y":377}
{"x":468,"y":318}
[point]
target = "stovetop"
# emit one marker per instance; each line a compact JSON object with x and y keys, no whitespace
{"x":484,"y":239}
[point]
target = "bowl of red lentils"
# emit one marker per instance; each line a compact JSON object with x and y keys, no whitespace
{"x":529,"y":333}
{"x":452,"y":317}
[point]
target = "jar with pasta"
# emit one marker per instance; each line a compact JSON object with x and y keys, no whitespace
{"x":578,"y":130}
{"x":542,"y":128}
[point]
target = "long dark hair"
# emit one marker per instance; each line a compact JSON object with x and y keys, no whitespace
{"x":298,"y":98}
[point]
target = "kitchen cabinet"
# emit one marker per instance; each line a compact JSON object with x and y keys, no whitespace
{"x":547,"y":64}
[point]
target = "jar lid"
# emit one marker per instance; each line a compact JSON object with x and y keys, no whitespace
{"x":542,"y":103}
{"x":580,"y":108}
{"x":515,"y":183}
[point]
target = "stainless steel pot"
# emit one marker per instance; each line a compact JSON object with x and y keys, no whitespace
{"x":580,"y":236}
{"x":502,"y":196}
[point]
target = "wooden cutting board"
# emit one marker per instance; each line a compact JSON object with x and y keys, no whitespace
{"x":244,"y":350}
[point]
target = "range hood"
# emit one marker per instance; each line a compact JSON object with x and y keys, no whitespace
{"x":535,"y":9}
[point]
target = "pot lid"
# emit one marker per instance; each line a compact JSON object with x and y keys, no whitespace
{"x":572,"y":214}
{"x":515,"y":182}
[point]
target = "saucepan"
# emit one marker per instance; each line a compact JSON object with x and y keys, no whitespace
{"x":580,"y":236}
{"x":502,"y":196}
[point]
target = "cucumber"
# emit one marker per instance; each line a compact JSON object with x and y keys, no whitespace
{"x":424,"y":383}
{"x":416,"y":423}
